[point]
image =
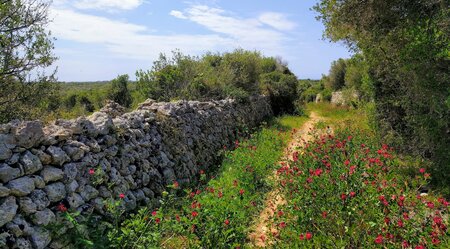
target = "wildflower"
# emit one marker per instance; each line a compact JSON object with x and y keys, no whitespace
{"x":308,"y":236}
{"x":400,"y":223}
{"x":405,"y":244}
{"x":352,"y":169}
{"x":157,"y":220}
{"x":318,"y":172}
{"x":282,"y":224}
{"x":430,"y":204}
{"x":202,"y":172}
{"x":198,"y":192}
{"x":177,"y":217}
{"x":194,"y":214}
{"x":435,"y":241}
{"x":175,"y":184}
{"x":91,"y":171}
{"x":347,"y":162}
{"x":220,"y":194}
{"x":343,"y":196}
{"x":121,"y":196}
{"x":227,"y":222}
{"x":420,"y":247}
{"x":324,"y":214}
{"x":387,"y":220}
{"x":235,"y":183}
{"x":352,"y":194}
{"x":379,"y":239}
{"x":301,"y":237}
{"x":422,"y":170}
{"x":154,"y":213}
{"x":405,"y":216}
{"x":280,"y":213}
{"x":241,"y":191}
{"x":61,"y":207}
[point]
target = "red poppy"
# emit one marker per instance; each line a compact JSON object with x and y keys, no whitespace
{"x":343,"y":196}
{"x":91,"y":171}
{"x":61,"y":208}
{"x":422,"y":170}
{"x":121,"y":196}
{"x":308,"y":235}
{"x":352,"y":194}
{"x":194,"y":214}
{"x":227,"y":222}
{"x":379,"y":239}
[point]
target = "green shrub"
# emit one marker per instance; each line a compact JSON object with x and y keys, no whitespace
{"x":119,"y":92}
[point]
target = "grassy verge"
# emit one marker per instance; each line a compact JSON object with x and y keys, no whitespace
{"x":349,"y":190}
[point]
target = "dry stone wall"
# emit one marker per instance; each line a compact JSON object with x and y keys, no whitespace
{"x":136,"y":153}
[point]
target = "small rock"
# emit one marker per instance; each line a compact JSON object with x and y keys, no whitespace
{"x":18,"y":226}
{"x":70,"y":171}
{"x":51,"y":174}
{"x":22,"y":243}
{"x":21,"y":186}
{"x":72,"y":186}
{"x":43,"y":217}
{"x":40,"y":238}
{"x":14,"y":159}
{"x":89,"y":193}
{"x":5,"y":152}
{"x":4,"y":191}
{"x":30,"y":162}
{"x":59,"y":157}
{"x":55,"y":191}
{"x":75,"y":200}
{"x":29,"y":134}
{"x":75,"y":153}
{"x":8,"y":173}
{"x":40,"y":198}
{"x":38,"y":181}
{"x":27,"y":205}
{"x":44,"y":157}
{"x":8,"y":209}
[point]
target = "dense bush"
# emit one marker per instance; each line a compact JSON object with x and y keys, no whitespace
{"x":238,"y":74}
{"x":336,"y":78}
{"x":119,"y":92}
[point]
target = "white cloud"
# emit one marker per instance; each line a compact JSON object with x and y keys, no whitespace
{"x":249,"y":33}
{"x":126,"y":39}
{"x":108,"y":5}
{"x":277,"y":21}
{"x":177,"y":14}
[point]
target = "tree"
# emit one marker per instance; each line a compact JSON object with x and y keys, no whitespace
{"x":406,"y":44}
{"x":119,"y":92}
{"x":336,"y":78}
{"x":25,"y":51}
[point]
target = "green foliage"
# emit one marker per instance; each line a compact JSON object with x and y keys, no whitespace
{"x":25,"y":47}
{"x":308,"y":90}
{"x":326,"y":94}
{"x":119,"y":92}
{"x":282,"y":90}
{"x":406,"y":45}
{"x":336,"y":78}
{"x":238,"y":74}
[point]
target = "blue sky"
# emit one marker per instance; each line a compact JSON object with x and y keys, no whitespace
{"x":100,"y":39}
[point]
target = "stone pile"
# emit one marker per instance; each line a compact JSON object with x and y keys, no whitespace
{"x":137,"y":154}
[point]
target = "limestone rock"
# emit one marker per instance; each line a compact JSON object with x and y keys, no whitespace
{"x":75,"y":200}
{"x":8,"y":173}
{"x":89,"y":193}
{"x":4,"y":191}
{"x":59,"y":157}
{"x":21,"y":186}
{"x":55,"y":191}
{"x":29,"y":134}
{"x":5,"y":152}
{"x":40,"y":199}
{"x":27,"y":205}
{"x":8,"y":209}
{"x":40,"y":238}
{"x":43,"y":217}
{"x":30,"y":163}
{"x":38,"y":181}
{"x":51,"y":174}
{"x":102,"y":122}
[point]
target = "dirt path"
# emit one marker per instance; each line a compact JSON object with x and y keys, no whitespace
{"x":260,"y":237}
